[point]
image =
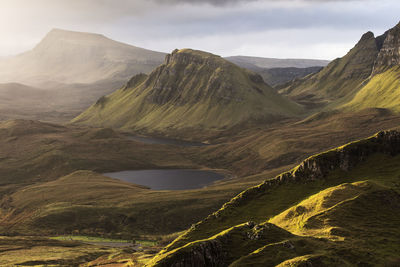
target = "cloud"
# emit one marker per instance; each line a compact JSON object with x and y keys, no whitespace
{"x":260,"y":27}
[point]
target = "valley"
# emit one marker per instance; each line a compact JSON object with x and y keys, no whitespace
{"x":115,"y":155}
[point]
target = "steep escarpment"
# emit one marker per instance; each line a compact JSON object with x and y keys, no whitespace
{"x":389,"y":54}
{"x":192,"y":89}
{"x":370,"y":164}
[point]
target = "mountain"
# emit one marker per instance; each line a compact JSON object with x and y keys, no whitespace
{"x":77,"y":57}
{"x":307,"y":216}
{"x":383,"y":88}
{"x":341,"y":78}
{"x":279,"y":76}
{"x":367,"y":77}
{"x":279,"y":71}
{"x":269,"y":63}
{"x":191,"y":90}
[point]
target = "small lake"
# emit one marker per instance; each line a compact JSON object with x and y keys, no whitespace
{"x":170,"y":179}
{"x":163,"y":141}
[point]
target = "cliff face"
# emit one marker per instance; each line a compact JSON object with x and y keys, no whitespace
{"x":389,"y":54}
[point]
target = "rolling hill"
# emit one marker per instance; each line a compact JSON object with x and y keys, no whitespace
{"x":309,"y":215}
{"x":191,"y":90}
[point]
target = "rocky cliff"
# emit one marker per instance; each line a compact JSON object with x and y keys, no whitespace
{"x":389,"y":54}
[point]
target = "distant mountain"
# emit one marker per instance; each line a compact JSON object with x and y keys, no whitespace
{"x":269,"y":63}
{"x":279,"y":76}
{"x":76,"y":57}
{"x":275,"y":71}
{"x":192,"y":89}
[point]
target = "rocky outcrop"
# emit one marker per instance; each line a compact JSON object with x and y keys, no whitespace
{"x":135,"y":80}
{"x":217,"y":251}
{"x":389,"y":54}
{"x":189,"y":76}
{"x":319,"y":166}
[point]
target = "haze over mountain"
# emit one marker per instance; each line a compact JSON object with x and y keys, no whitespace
{"x":269,"y":63}
{"x":76,"y":57}
{"x":192,"y":89}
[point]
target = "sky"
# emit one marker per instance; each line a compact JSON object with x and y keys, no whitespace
{"x":321,"y":29}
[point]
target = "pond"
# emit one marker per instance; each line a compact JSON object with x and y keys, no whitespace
{"x":168,"y":179}
{"x":163,"y":141}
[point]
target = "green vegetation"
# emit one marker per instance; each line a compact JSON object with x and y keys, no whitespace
{"x":324,"y":197}
{"x":192,"y":89}
{"x":382,"y":91}
{"x":339,"y":80}
{"x":37,"y":251}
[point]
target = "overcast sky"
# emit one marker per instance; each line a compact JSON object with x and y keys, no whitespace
{"x":323,"y":29}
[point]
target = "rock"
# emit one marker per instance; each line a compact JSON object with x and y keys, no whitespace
{"x":389,"y":54}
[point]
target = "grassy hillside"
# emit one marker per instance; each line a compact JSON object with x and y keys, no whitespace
{"x":192,"y":89}
{"x":324,"y":198}
{"x":382,"y":91}
{"x":340,"y":79}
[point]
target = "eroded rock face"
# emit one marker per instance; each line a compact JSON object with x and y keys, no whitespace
{"x":191,"y":77}
{"x":205,"y":254}
{"x":389,"y":54}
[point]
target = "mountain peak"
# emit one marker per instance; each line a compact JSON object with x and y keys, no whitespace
{"x":190,"y":55}
{"x":368,"y":35}
{"x":389,"y":54}
{"x":63,"y":35}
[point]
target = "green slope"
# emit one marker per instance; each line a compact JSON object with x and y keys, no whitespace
{"x":340,"y":78}
{"x":192,"y":89}
{"x":322,"y":200}
{"x":382,"y":91}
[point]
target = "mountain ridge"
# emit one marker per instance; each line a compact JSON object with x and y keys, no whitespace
{"x":191,"y":89}
{"x":321,"y":176}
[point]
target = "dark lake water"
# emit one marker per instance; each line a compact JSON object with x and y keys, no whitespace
{"x":163,"y":141}
{"x":176,"y":179}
